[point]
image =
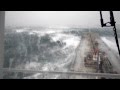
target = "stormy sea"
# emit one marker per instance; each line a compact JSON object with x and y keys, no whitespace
{"x":42,"y":48}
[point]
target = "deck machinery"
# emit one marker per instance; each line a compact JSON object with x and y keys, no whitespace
{"x":98,"y":59}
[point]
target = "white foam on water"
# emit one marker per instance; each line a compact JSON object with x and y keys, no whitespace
{"x":71,"y":43}
{"x":33,"y":65}
{"x":70,"y":40}
{"x":21,"y":30}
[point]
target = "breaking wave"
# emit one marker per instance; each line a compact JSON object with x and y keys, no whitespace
{"x":47,"y":50}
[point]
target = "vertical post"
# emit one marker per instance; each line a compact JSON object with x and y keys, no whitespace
{"x":112,"y":20}
{"x":101,"y":19}
{"x":116,"y":38}
{"x":113,"y":23}
{"x":2,"y":25}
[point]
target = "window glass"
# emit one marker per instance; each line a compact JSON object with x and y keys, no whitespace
{"x":62,"y":41}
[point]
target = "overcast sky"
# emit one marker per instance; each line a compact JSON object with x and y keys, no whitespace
{"x":62,"y":18}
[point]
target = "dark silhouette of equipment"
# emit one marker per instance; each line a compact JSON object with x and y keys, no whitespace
{"x":112,"y":24}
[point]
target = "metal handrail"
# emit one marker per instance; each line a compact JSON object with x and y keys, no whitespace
{"x":105,"y":75}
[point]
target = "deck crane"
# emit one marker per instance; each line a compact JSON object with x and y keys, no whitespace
{"x":112,"y":24}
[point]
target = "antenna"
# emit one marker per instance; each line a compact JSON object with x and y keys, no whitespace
{"x":112,"y":24}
